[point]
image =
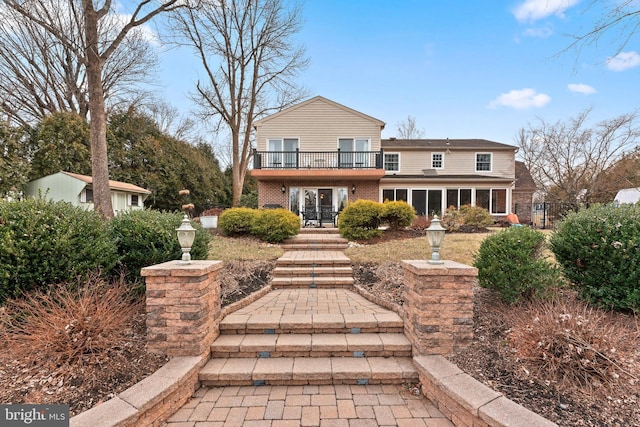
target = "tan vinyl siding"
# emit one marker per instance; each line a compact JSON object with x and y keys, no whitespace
{"x":318,"y":125}
{"x":413,"y":162}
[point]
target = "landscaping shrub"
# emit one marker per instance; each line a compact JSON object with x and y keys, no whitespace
{"x":566,"y":343}
{"x":275,"y":225}
{"x":148,"y":237}
{"x":43,"y":243}
{"x":360,"y":220}
{"x":468,"y":218}
{"x":237,"y":221}
{"x":599,"y":251}
{"x":66,"y":325}
{"x":511,"y":262}
{"x":398,"y":214}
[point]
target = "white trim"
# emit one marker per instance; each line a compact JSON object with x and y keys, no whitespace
{"x":475,"y":161}
{"x":441,"y":160}
{"x":384,"y":162}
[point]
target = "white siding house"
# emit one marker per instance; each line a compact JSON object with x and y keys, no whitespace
{"x":78,"y":190}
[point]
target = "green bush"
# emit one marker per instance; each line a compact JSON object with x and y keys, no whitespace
{"x":148,"y":237}
{"x":398,"y":214}
{"x":237,"y":221}
{"x":475,"y":216}
{"x":511,"y":262}
{"x":360,"y":220}
{"x":275,"y":225}
{"x":44,"y":243}
{"x":599,"y":251}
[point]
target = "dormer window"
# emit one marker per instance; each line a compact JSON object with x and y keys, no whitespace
{"x":483,"y":162}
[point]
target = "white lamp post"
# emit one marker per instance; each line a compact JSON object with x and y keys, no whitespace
{"x":186,"y":235}
{"x":435,"y":236}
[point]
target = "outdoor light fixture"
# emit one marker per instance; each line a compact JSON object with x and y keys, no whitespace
{"x":435,"y":236}
{"x":186,"y":235}
{"x":353,"y":189}
{"x":283,"y":189}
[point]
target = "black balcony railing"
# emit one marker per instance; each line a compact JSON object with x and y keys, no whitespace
{"x":318,"y":159}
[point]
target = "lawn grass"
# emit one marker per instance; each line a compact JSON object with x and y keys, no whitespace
{"x":458,"y":247}
{"x":242,"y":249}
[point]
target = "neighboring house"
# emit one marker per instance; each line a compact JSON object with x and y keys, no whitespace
{"x":316,"y":156}
{"x":627,"y":196}
{"x":78,"y":190}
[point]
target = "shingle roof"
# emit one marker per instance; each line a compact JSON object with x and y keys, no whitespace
{"x":114,"y":185}
{"x":524,"y":180}
{"x":467,"y":144}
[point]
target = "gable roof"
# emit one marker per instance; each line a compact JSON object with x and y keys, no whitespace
{"x":319,"y":99}
{"x":466,"y":144}
{"x":114,"y":185}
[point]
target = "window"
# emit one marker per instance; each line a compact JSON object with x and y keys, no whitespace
{"x":483,"y":162}
{"x":134,"y":200}
{"x":392,"y":162}
{"x":494,"y":200}
{"x":354,"y":152}
{"x":394,"y":194}
{"x":282,"y":153}
{"x":457,"y":197}
{"x":86,"y":196}
{"x":482,"y":198}
{"x":437,"y":160}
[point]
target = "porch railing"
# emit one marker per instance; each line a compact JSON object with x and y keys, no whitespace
{"x":318,"y":159}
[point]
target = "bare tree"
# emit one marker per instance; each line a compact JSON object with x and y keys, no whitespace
{"x":407,"y":129}
{"x":622,"y":16}
{"x":94,"y":53}
{"x":249,"y":59}
{"x":567,"y":159}
{"x":40,"y":76}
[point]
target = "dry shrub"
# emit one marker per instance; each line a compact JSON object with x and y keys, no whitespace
{"x":67,"y":325}
{"x":241,"y":278}
{"x":575,"y":347}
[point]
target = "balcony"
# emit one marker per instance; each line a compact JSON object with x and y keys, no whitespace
{"x":317,"y":159}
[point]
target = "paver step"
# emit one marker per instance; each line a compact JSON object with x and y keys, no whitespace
{"x":311,"y":282}
{"x":319,"y":238}
{"x":312,"y":345}
{"x":318,"y":230}
{"x":314,"y":246}
{"x":335,"y":323}
{"x":313,"y":259}
{"x":309,"y":271}
{"x":308,"y":370}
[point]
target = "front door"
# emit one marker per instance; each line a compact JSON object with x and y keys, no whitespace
{"x":326,"y":204}
{"x":317,"y":206}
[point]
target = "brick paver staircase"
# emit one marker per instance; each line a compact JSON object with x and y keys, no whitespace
{"x":311,"y":329}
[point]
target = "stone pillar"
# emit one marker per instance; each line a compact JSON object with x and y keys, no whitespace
{"x":438,"y":306}
{"x":183,"y":307}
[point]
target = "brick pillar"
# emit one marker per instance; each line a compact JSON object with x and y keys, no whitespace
{"x":438,"y":306}
{"x":183,"y":307}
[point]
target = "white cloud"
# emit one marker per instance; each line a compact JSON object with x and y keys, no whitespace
{"x":533,"y":10}
{"x":542,"y":33}
{"x":581,"y":88}
{"x":521,"y":99}
{"x":623,"y":61}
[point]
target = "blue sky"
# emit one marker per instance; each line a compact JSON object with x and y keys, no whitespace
{"x":463,"y":69}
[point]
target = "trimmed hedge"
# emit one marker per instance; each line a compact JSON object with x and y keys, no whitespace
{"x":148,"y":237}
{"x":237,"y":221}
{"x":398,"y":214}
{"x":360,"y":220}
{"x":599,"y":251}
{"x":511,"y":262}
{"x":275,"y":225}
{"x":44,"y":243}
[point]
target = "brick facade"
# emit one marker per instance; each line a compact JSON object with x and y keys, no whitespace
{"x":438,"y":309}
{"x":183,"y":307}
{"x":270,"y":192}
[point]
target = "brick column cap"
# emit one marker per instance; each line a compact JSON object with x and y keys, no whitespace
{"x":177,"y":268}
{"x":421,"y":267}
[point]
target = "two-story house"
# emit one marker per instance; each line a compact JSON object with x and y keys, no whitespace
{"x":317,"y":156}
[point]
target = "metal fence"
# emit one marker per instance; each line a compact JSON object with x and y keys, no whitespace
{"x":546,"y":215}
